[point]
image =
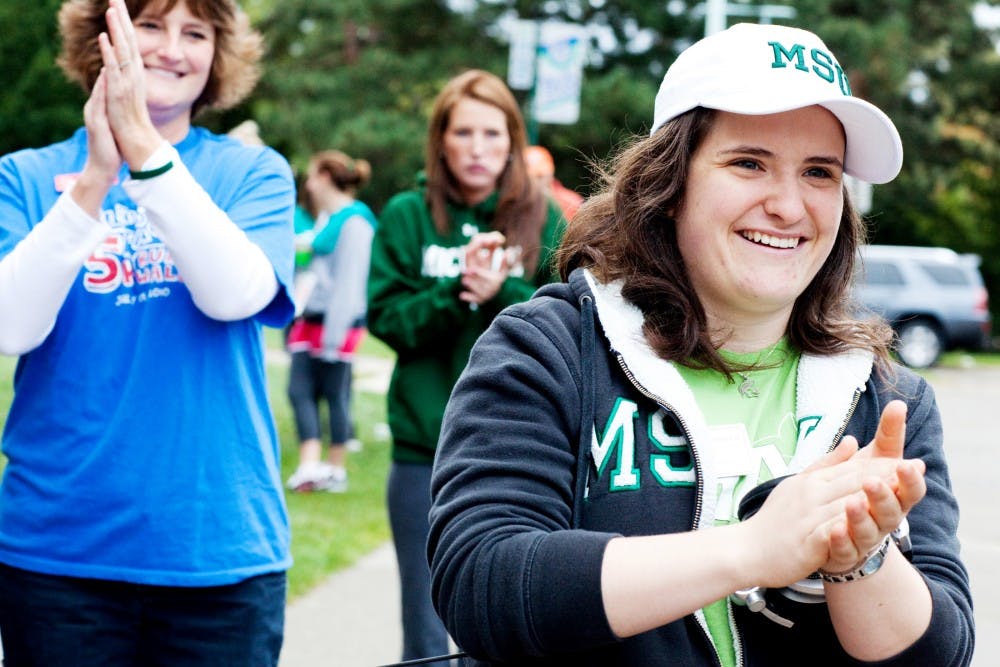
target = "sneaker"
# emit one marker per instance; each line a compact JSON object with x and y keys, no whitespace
{"x":309,"y":476}
{"x":354,"y":445}
{"x":334,"y":482}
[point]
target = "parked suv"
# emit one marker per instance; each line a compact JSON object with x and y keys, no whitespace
{"x":933,"y":297}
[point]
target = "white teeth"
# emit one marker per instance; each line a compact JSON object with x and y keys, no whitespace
{"x":773,"y":241}
{"x":164,"y":72}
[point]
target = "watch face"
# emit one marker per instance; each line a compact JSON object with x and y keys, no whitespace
{"x":873,"y":564}
{"x":870,"y":566}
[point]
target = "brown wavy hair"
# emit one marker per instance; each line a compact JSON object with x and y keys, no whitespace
{"x":238,"y":47}
{"x":521,"y":209}
{"x":626,"y":232}
{"x":346,"y":173}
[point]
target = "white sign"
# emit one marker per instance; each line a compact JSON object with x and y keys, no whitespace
{"x":562,"y":49}
{"x":521,"y":61}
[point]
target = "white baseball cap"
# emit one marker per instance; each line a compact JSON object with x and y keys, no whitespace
{"x":762,"y":69}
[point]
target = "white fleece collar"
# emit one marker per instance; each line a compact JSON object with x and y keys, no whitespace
{"x":826,"y":387}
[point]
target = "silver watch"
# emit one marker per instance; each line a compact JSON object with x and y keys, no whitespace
{"x":868,"y":567}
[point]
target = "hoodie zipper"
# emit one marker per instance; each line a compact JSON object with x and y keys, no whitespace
{"x":687,"y":432}
{"x":847,"y":420}
{"x":699,"y":498}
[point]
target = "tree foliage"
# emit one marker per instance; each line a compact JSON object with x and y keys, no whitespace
{"x":935,"y":73}
{"x":38,"y":105}
{"x":360,"y":76}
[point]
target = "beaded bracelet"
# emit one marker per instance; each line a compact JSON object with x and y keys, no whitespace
{"x":151,"y":173}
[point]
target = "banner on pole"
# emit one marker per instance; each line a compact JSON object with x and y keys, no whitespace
{"x":521,"y":60}
{"x":561,"y":52}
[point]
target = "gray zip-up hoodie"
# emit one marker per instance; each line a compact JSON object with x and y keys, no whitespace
{"x":520,"y":522}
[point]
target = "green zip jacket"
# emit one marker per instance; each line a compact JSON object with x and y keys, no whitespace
{"x":413,"y":306}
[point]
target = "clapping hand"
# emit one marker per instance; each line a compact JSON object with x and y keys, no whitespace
{"x":832,"y":514}
{"x":486,"y":268}
{"x":103,"y":159}
{"x":883,"y":502}
{"x":125,"y":82}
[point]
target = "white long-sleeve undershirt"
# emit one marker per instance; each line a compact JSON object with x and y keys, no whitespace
{"x":37,"y":274}
{"x":229,"y":277}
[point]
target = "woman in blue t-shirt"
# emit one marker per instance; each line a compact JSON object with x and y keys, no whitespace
{"x":143,"y":521}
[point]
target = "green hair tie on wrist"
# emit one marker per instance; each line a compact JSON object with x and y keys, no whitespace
{"x":151,"y":173}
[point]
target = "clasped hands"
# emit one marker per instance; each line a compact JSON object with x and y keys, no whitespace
{"x":119,"y":127}
{"x":487,"y":265}
{"x":831,"y":515}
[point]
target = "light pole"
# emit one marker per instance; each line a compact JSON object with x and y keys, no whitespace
{"x":717,"y":13}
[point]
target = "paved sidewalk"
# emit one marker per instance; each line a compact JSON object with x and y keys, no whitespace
{"x":353,"y":618}
{"x":350,"y":620}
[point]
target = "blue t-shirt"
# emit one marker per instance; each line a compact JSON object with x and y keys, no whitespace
{"x":140,"y":442}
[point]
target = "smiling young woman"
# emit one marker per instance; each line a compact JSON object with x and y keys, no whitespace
{"x":758,"y":247}
{"x":589,"y":479}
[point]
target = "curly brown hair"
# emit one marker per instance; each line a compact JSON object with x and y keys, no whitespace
{"x":521,"y":211}
{"x":626,"y":232}
{"x":238,"y":47}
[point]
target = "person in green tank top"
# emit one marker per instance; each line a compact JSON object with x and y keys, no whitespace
{"x":476,"y":236}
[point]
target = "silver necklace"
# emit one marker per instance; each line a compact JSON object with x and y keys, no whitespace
{"x":747,"y":386}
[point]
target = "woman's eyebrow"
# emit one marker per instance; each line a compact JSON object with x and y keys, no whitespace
{"x":757,"y":151}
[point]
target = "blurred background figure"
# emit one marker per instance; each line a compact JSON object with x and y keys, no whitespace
{"x":542,"y":169}
{"x":324,"y":337}
{"x":247,"y":132}
{"x":476,"y":235}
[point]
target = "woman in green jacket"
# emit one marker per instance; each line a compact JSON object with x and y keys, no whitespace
{"x":474,"y":237}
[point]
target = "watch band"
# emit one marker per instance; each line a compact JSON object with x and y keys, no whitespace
{"x":869,"y":566}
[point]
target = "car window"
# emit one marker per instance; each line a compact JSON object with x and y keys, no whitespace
{"x":874,"y":272}
{"x":944,"y":274}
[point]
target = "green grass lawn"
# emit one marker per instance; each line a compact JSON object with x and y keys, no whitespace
{"x":329,"y":531}
{"x":6,"y":390}
{"x":961,"y":359}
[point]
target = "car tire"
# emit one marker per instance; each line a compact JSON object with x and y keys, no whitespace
{"x":920,"y":343}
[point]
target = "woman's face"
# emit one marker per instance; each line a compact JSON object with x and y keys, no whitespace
{"x":762,"y":208}
{"x":313,"y":182}
{"x":318,"y":183}
{"x":476,"y":146}
{"x":177,"y":50}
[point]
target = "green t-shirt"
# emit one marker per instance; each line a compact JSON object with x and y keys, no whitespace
{"x":754,"y":418}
